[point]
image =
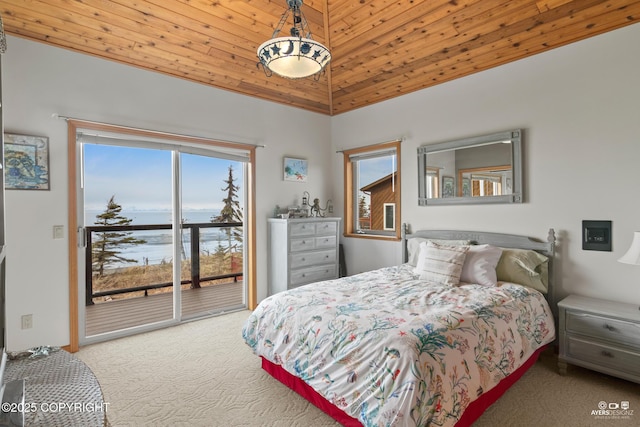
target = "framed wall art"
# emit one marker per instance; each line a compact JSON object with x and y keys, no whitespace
{"x":295,"y":169}
{"x":26,"y":162}
{"x":466,"y":187}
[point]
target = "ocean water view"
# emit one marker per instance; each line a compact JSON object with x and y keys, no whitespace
{"x":159,"y":243}
{"x":163,"y":216}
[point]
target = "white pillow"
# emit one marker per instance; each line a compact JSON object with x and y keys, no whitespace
{"x":441,"y":264}
{"x":413,"y":246}
{"x":480,"y":265}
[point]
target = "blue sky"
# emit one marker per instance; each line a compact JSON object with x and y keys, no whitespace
{"x":375,"y":168}
{"x":140,"y":178}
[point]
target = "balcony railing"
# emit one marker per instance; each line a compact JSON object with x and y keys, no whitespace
{"x":195,"y":279}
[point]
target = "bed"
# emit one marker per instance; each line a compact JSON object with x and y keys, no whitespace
{"x":431,"y":342}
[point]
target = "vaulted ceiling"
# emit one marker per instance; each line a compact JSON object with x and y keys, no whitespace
{"x":381,"y":48}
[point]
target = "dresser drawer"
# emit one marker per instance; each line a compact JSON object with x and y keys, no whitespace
{"x":601,"y":355}
{"x":314,"y":274}
{"x":327,"y":227}
{"x":592,"y":325}
{"x":303,"y":229}
{"x":309,"y":243}
{"x":325,"y":242}
{"x":305,"y":244}
{"x":305,"y":259}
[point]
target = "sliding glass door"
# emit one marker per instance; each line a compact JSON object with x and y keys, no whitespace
{"x":162,"y":234}
{"x":212,"y":206}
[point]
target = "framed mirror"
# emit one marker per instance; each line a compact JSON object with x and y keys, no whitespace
{"x":476,"y":170}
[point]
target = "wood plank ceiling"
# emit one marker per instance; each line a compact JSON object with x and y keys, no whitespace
{"x":381,"y":48}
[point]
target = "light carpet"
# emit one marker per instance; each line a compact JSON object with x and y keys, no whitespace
{"x":203,"y":374}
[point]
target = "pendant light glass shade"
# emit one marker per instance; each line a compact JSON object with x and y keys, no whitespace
{"x":296,"y":56}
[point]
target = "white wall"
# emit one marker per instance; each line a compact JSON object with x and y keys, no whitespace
{"x":39,"y":80}
{"x":580,"y":108}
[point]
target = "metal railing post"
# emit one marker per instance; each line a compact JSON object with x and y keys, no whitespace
{"x":195,"y":257}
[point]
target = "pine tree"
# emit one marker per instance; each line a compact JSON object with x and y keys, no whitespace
{"x":363,"y":209}
{"x":106,"y":249}
{"x":231,"y":212}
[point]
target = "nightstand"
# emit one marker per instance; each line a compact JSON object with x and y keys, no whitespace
{"x":600,"y":335}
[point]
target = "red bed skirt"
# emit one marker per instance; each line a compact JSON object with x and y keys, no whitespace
{"x":472,"y":413}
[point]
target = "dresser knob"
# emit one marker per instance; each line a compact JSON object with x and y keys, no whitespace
{"x":606,"y":353}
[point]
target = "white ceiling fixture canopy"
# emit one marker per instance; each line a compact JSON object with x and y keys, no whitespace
{"x":295,"y":56}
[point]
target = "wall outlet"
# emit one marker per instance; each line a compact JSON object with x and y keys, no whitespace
{"x":27,"y":321}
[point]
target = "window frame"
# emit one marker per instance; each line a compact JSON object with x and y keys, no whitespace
{"x":351,"y":193}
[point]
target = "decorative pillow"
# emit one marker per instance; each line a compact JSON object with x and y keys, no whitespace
{"x":441,"y":264}
{"x":524,"y":267}
{"x":480,"y":265}
{"x":413,"y":246}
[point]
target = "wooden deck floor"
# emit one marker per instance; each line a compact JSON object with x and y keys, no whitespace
{"x":126,"y":313}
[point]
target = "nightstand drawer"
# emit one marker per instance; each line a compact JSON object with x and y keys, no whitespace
{"x":305,"y":259}
{"x":615,"y":330}
{"x":614,"y":358}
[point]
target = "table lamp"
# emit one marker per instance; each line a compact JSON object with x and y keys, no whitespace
{"x":633,"y":254}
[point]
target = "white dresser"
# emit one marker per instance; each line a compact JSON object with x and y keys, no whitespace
{"x":302,"y":251}
{"x":600,"y":335}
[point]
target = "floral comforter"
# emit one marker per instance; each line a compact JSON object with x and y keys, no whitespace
{"x":392,"y":350}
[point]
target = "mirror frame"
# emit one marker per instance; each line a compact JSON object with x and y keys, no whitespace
{"x":514,"y":135}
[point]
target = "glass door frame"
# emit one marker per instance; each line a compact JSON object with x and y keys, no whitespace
{"x":185,"y":315}
{"x":75,"y":236}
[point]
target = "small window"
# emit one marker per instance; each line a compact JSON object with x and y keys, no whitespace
{"x":372,"y":191}
{"x":390,"y":216}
